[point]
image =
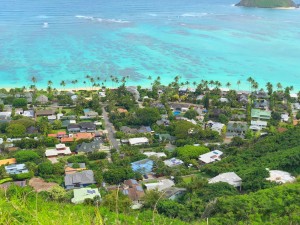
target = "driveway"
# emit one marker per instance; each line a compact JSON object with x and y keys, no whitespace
{"x":111,"y":130}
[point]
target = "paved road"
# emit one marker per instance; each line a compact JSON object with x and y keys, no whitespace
{"x":110,"y":129}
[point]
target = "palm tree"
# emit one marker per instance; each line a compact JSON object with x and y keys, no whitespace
{"x":63,"y":83}
{"x":255,"y":85}
{"x":194,"y":83}
{"x":238,"y":84}
{"x":269,"y":87}
{"x":250,"y":80}
{"x":211,"y":83}
{"x":228,"y":84}
{"x":279,"y":86}
{"x":149,"y":78}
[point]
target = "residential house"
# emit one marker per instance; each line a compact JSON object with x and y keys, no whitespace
{"x":258,"y":125}
{"x":81,"y":194}
{"x":43,"y":99}
{"x":210,"y":157}
{"x":155,"y":154}
{"x":91,"y":147}
{"x":236,"y":128}
{"x":182,"y":90}
{"x":5,"y":186}
{"x":5,"y":116}
{"x":133,"y":190}
{"x":60,"y":150}
{"x":173,"y":162}
{"x":91,"y":114}
{"x":16,"y":169}
{"x":285,"y":117}
{"x":87,"y":127}
{"x":260,"y":94}
{"x":243,"y":99}
{"x":161,"y":185}
{"x":45,"y":112}
{"x":138,"y":141}
{"x":76,"y":137}
{"x":257,"y":114}
{"x":143,"y":166}
{"x":261,"y":104}
{"x":173,"y":193}
{"x":229,"y":178}
{"x":142,"y":129}
{"x":79,"y":180}
{"x":166,"y":138}
{"x":216,"y":126}
{"x":69,"y":169}
{"x":73,"y":128}
{"x":280,"y":177}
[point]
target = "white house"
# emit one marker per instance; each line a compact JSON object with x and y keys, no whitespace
{"x":173,"y":162}
{"x":230,"y":178}
{"x":280,"y":177}
{"x":60,"y":149}
{"x":216,"y":126}
{"x":156,"y":154}
{"x":258,"y":125}
{"x":138,"y":141}
{"x":160,"y":185}
{"x":210,"y":157}
{"x":285,"y":117}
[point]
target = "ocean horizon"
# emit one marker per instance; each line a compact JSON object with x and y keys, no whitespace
{"x":209,"y":40}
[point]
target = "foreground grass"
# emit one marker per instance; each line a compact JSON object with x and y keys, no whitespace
{"x":29,"y":208}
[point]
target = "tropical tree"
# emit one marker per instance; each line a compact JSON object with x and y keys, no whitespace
{"x":228,"y":84}
{"x":238,"y":84}
{"x":279,"y":86}
{"x":63,"y":83}
{"x":269,"y":87}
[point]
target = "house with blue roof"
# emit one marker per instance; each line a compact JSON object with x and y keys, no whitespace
{"x":143,"y":166}
{"x":16,"y":169}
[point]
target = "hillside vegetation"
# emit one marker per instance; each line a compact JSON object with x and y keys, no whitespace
{"x":266,"y":3}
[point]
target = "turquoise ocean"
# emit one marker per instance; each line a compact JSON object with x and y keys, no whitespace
{"x":197,"y":39}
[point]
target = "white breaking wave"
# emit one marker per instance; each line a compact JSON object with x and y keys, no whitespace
{"x":152,"y":14}
{"x":194,"y":14}
{"x":45,"y":25}
{"x":100,"y":20}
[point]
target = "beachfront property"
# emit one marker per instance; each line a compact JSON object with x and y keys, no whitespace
{"x":257,"y":114}
{"x":79,"y":179}
{"x":161,"y":185}
{"x":229,"y":178}
{"x":210,"y":157}
{"x":143,"y":166}
{"x":16,"y":169}
{"x":81,"y":194}
{"x":138,"y":141}
{"x":173,"y":162}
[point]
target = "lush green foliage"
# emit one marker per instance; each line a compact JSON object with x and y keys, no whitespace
{"x":188,"y":152}
{"x":26,"y":156}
